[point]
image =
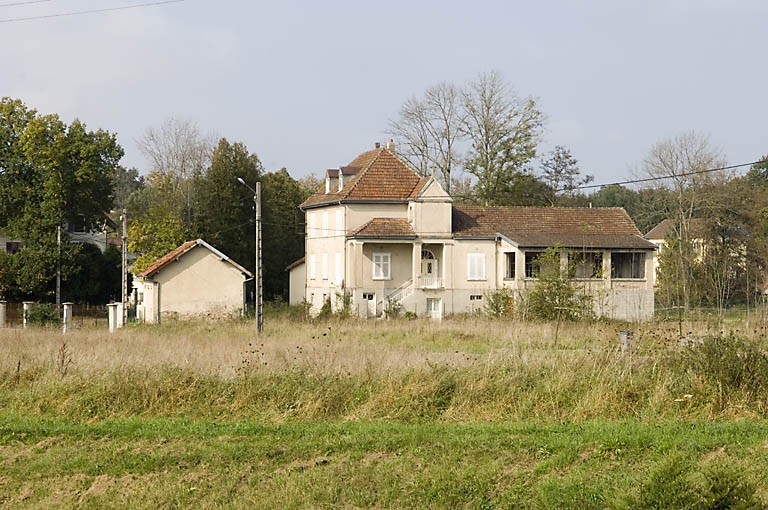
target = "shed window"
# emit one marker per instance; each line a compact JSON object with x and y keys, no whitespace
{"x":586,"y":264}
{"x":532,"y":263}
{"x":509,"y":261}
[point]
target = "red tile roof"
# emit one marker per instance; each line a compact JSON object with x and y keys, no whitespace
{"x":382,"y":176}
{"x":541,"y":227}
{"x":696,"y":227}
{"x":386,"y":228}
{"x":177,"y":253}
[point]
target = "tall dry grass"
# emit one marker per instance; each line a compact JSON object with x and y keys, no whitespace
{"x":462,"y":369}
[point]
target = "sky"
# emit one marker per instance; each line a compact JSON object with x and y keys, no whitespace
{"x":309,"y":85}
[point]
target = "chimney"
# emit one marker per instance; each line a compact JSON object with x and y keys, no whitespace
{"x":377,"y":145}
{"x":391,"y":145}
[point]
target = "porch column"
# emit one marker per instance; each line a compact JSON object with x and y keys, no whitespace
{"x":416,"y":262}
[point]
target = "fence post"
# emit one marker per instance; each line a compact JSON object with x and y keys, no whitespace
{"x":3,"y":305}
{"x":112,"y":308}
{"x":625,"y":339}
{"x":66,"y":317}
{"x":27,"y":307}
{"x":120,"y":316}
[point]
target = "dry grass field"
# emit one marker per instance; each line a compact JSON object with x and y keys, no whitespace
{"x":465,"y":412}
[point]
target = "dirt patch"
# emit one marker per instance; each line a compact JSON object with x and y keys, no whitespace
{"x":714,"y":454}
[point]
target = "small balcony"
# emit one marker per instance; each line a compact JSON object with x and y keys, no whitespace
{"x":430,"y":282}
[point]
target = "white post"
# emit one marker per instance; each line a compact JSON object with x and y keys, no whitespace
{"x":3,"y":305}
{"x":112,"y":308}
{"x":27,"y":308}
{"x":120,"y":315}
{"x":67,"y":317}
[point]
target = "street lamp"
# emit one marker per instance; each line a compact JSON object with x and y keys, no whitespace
{"x":257,"y":275}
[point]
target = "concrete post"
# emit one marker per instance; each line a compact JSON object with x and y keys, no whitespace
{"x":67,"y":317}
{"x":112,"y":309}
{"x":3,"y":306}
{"x":27,"y":307}
{"x":120,"y":315}
{"x":625,"y":339}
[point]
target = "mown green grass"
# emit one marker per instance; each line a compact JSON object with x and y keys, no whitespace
{"x":163,"y":462}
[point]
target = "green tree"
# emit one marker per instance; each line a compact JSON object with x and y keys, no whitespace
{"x":555,"y":296}
{"x":282,"y":241}
{"x":504,"y":131}
{"x":561,"y":173}
{"x":225,"y":207}
{"x":50,"y":173}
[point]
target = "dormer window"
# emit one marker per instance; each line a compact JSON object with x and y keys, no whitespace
{"x":332,"y":181}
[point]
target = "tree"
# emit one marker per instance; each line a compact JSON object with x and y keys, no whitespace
{"x":178,"y":153}
{"x":225,"y":216}
{"x":282,"y":241}
{"x":127,"y":181}
{"x":429,"y":128}
{"x":681,"y":165}
{"x":50,"y":173}
{"x":504,"y":131}
{"x":561,"y":172}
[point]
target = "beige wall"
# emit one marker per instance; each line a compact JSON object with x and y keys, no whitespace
{"x":358,"y":215}
{"x":297,"y":286}
{"x":430,"y":219}
{"x":199,"y":283}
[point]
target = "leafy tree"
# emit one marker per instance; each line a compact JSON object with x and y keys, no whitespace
{"x":561,"y":173}
{"x":50,"y":173}
{"x":308,"y":185}
{"x":282,"y":242}
{"x":555,"y":296}
{"x":127,"y":181}
{"x":225,"y":213}
{"x":504,"y":131}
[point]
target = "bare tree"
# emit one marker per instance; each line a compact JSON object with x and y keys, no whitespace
{"x":429,"y":128}
{"x":683,"y":165}
{"x":504,"y":131}
{"x":178,"y":154}
{"x":561,"y":172}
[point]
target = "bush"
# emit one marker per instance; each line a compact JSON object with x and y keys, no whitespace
{"x":43,"y":314}
{"x":498,"y":303}
{"x":554,"y":296}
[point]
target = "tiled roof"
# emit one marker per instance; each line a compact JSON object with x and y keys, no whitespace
{"x":177,"y":253}
{"x":696,"y":228}
{"x":540,"y":227}
{"x":296,"y":263}
{"x":386,"y":227}
{"x":382,"y":176}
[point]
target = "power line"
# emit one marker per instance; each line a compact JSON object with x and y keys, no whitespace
{"x":24,"y":3}
{"x":660,"y":177}
{"x":91,"y":11}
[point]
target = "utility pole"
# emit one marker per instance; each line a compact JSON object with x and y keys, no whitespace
{"x":58,"y":265}
{"x":124,"y":295}
{"x":258,"y":301}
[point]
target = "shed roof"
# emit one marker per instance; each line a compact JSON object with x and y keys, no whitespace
{"x":185,"y":248}
{"x":386,"y":228}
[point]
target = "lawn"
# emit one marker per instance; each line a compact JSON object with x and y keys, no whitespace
{"x":459,"y":413}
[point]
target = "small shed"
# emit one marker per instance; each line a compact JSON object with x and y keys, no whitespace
{"x":297,"y":275}
{"x":194,"y":280}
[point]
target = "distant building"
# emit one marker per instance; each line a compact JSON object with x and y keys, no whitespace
{"x":194,"y":280}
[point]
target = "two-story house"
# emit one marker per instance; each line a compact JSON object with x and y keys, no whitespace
{"x":383,"y":234}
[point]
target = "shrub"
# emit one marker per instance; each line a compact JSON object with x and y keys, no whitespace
{"x":498,"y":303}
{"x":43,"y":314}
{"x":555,"y":296}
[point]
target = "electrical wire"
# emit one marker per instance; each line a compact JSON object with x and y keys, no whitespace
{"x":24,"y":3}
{"x":90,"y":11}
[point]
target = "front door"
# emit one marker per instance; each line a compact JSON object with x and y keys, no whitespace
{"x":370,"y":300}
{"x":428,"y":269}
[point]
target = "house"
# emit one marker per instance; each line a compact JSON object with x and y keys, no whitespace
{"x":388,"y":237}
{"x":195,"y":279}
{"x":8,"y":245}
{"x":661,"y":233}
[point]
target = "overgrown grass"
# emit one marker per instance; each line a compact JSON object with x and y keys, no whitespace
{"x":463,"y":412}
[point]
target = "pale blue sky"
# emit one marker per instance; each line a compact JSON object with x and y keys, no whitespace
{"x":309,"y":85}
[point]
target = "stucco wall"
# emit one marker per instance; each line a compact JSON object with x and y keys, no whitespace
{"x":297,"y":278}
{"x":199,"y":283}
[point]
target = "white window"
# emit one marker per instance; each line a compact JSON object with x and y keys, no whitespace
{"x":324,"y":262}
{"x":339,"y":269}
{"x":311,"y":225}
{"x":339,"y":221}
{"x":325,"y":224}
{"x":476,"y":266}
{"x":312,"y":266}
{"x":381,"y":266}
